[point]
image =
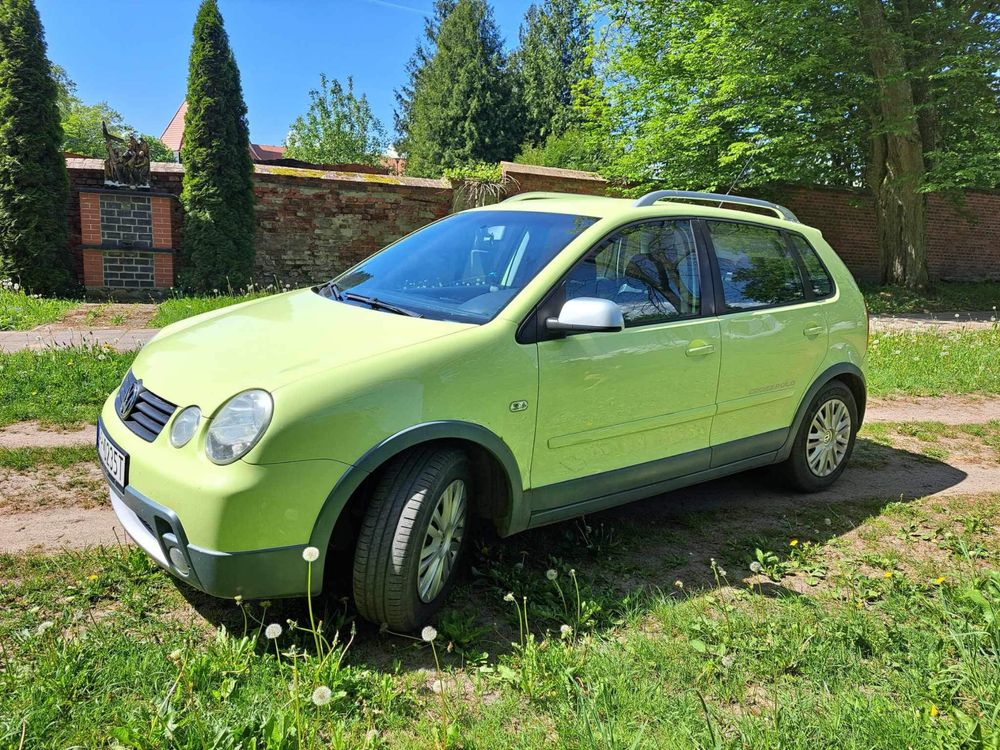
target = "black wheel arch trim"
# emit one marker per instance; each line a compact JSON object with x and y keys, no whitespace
{"x":821,"y":380}
{"x":392,"y":446}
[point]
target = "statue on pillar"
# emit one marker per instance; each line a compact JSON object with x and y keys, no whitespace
{"x":127,"y":163}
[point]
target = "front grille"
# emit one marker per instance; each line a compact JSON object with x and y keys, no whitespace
{"x":150,"y":412}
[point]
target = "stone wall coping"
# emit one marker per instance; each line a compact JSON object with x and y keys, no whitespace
{"x":566,"y":174}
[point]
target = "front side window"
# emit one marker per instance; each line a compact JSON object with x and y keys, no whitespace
{"x":649,"y":270}
{"x":819,"y":277}
{"x":756,"y":267}
{"x":466,"y":267}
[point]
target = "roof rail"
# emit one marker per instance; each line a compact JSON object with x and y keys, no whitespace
{"x":537,"y":195}
{"x":658,"y":195}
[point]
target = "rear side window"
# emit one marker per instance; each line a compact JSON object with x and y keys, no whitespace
{"x":819,"y":277}
{"x":756,"y":266}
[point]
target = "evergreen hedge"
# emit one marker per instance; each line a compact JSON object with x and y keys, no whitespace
{"x":217,"y":247}
{"x":34,"y":185}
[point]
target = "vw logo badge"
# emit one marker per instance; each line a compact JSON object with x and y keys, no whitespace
{"x":129,"y":398}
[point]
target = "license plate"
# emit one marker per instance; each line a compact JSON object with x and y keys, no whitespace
{"x":113,"y":459}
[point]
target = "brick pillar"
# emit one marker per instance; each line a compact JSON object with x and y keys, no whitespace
{"x":163,"y":270}
{"x":162,"y":235}
{"x":90,"y":218}
{"x":93,"y":265}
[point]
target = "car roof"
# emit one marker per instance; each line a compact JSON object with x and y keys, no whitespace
{"x":601,"y":207}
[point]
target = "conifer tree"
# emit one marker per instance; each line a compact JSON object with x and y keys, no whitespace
{"x":217,"y":247}
{"x":34,"y":185}
{"x":461,"y":110}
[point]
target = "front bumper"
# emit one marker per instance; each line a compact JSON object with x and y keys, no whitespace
{"x":256,"y":574}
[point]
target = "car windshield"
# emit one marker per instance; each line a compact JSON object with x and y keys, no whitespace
{"x":466,"y":267}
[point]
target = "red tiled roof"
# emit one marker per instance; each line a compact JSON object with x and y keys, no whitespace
{"x":173,"y":134}
{"x":261,"y":152}
{"x":173,"y":138}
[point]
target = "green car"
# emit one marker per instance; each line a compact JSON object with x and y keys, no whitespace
{"x":514,"y":365}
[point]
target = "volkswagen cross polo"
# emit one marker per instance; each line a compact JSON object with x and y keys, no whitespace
{"x":517,"y":365}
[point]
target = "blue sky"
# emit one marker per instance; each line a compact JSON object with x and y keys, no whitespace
{"x":133,"y":53}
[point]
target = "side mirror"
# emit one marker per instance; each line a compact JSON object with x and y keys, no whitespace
{"x":587,"y":314}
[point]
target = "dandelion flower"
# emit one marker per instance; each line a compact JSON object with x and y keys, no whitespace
{"x":794,"y":543}
{"x":756,"y":567}
{"x":310,"y":554}
{"x":939,"y":580}
{"x":428,"y":634}
{"x":934,"y":711}
{"x":887,"y":574}
{"x":551,"y":574}
{"x":273,"y":630}
{"x":565,"y":631}
{"x":92,"y":577}
{"x":321,"y":695}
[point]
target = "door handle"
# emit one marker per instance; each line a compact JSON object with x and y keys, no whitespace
{"x":700,"y":348}
{"x":813,"y":330}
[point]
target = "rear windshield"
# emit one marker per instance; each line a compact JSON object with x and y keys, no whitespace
{"x":466,"y":267}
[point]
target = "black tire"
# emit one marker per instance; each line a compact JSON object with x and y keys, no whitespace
{"x":394,"y":531}
{"x":796,"y":470}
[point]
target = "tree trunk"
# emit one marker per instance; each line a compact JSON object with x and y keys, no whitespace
{"x":897,"y":167}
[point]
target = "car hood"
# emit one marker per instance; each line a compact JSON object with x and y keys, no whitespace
{"x":270,"y":342}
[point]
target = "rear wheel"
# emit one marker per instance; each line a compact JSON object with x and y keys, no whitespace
{"x":413,"y":537}
{"x":825,"y":440}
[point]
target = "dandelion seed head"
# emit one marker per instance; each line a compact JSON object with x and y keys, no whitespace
{"x":509,"y":597}
{"x":551,"y":574}
{"x":565,"y":631}
{"x":322,"y":695}
{"x":428,"y":634}
{"x":310,"y":554}
{"x":756,"y":567}
{"x":273,"y":630}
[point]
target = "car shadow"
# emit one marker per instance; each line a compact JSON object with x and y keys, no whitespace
{"x":664,"y":543}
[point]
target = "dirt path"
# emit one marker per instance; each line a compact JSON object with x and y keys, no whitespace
{"x":947,"y":409}
{"x":54,"y":529}
{"x":35,"y":435}
{"x":90,"y":315}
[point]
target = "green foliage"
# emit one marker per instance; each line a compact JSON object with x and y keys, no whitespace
{"x":34,"y":185}
{"x":475,"y":172}
{"x":787,"y":86}
{"x":551,"y":62}
{"x":218,"y":241}
{"x":571,"y":149}
{"x":20,"y":311}
{"x":81,"y":123}
{"x":460,"y":109}
{"x":339,"y":128}
{"x":62,"y":386}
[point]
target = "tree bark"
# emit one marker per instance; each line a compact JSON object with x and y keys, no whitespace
{"x":897,"y":167}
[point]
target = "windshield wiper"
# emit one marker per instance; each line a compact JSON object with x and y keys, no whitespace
{"x":377,"y":304}
{"x":334,"y":291}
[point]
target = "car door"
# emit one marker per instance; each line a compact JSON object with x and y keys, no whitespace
{"x":609,"y":402}
{"x":774,"y":338}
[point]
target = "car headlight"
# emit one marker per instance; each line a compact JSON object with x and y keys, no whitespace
{"x":184,"y":426}
{"x":238,"y":426}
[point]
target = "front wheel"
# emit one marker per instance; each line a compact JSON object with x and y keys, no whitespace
{"x":413,"y":537}
{"x":824,"y":441}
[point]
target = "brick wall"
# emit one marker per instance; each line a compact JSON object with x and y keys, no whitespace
{"x":313,"y":224}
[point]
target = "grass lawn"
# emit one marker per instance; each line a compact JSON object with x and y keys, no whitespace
{"x":21,"y":312}
{"x":932,"y":364}
{"x":946,"y":296}
{"x":866,"y":625}
{"x":179,"y":308}
{"x":61,"y":386}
